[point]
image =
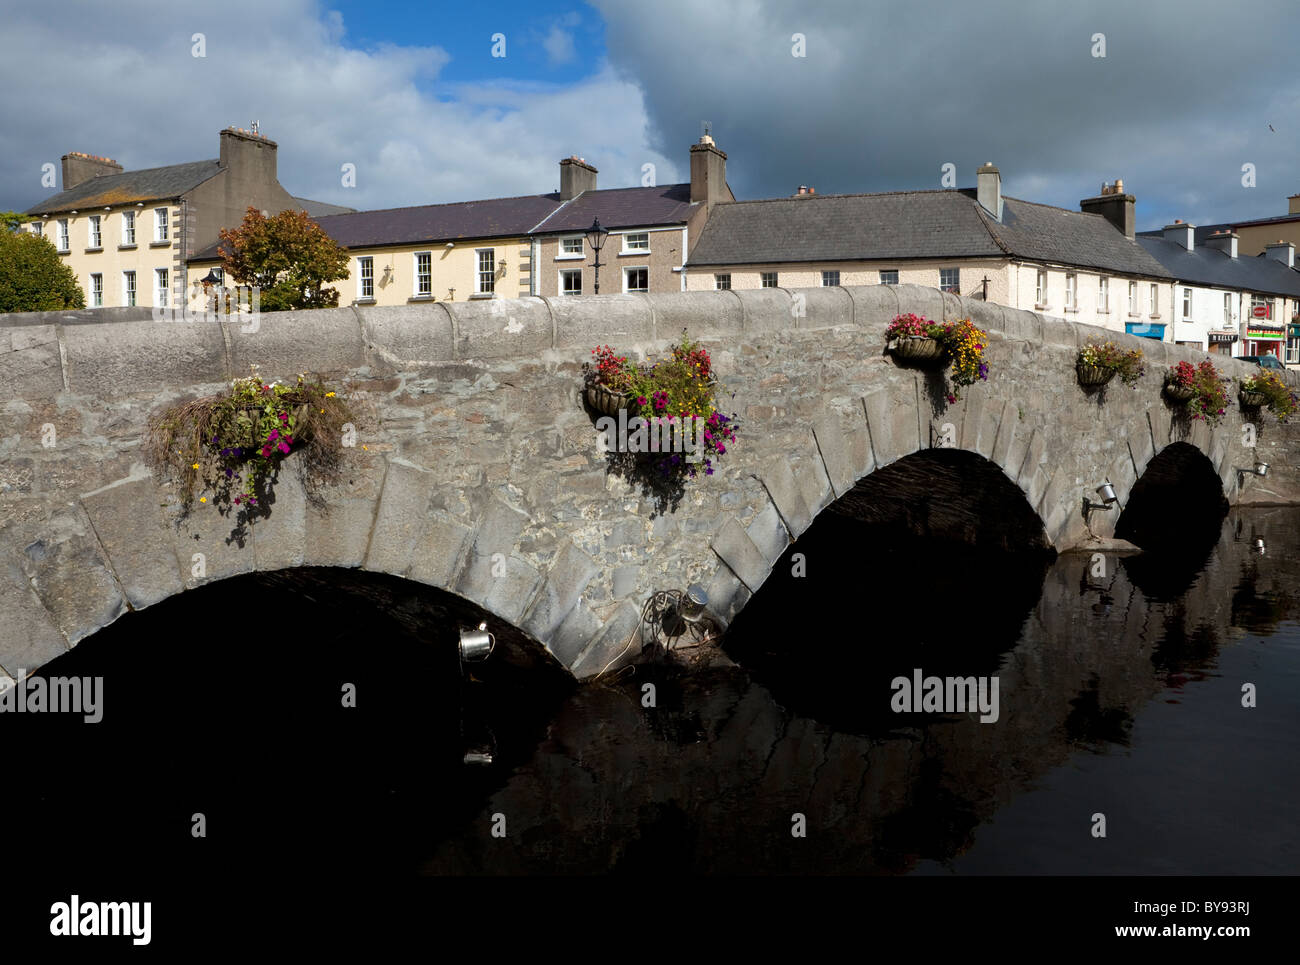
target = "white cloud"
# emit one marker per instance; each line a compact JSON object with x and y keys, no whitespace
{"x":558,"y":44}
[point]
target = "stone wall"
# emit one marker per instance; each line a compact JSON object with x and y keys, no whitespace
{"x":476,"y":444}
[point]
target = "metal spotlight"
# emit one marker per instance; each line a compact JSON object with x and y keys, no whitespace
{"x":1259,"y":545}
{"x":476,"y":645}
{"x":1261,"y":469}
{"x":1107,"y":493}
{"x":693,"y":603}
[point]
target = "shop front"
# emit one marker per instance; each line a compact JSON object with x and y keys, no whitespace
{"x":1265,"y":339}
{"x":1145,"y":330}
{"x":1223,"y":343}
{"x":1293,"y":344}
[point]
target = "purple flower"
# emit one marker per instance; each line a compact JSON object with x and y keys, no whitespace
{"x":284,"y":447}
{"x":640,"y":400}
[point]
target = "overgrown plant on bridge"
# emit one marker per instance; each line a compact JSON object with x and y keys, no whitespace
{"x":1201,"y":388}
{"x":1099,"y":362}
{"x":1267,"y":390}
{"x":958,"y":344}
{"x":231,"y":444}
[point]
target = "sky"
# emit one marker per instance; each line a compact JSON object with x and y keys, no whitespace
{"x":1195,"y":103}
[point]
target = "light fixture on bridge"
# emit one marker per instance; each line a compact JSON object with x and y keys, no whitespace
{"x":1261,"y":469}
{"x":476,"y":645}
{"x":1259,"y":545}
{"x":1107,"y":493}
{"x":670,"y":615}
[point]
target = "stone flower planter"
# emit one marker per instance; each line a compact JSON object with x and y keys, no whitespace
{"x":917,"y":348}
{"x":606,"y":401}
{"x":1091,"y":376}
{"x":1178,"y":393}
{"x":1250,"y":400}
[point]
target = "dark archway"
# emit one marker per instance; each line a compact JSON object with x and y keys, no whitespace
{"x":227,"y":700}
{"x":931,"y":563}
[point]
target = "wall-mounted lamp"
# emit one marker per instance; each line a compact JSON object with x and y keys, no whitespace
{"x":451,"y":244}
{"x":1259,"y":545}
{"x":1261,"y":469}
{"x":1107,"y":493}
{"x":476,"y":645}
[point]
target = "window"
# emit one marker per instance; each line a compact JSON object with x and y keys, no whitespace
{"x":63,"y":234}
{"x":1071,"y":292}
{"x":160,"y":224}
{"x":94,"y":231}
{"x":722,"y":283}
{"x":487,"y":271}
{"x":571,"y":282}
{"x":366,"y":272}
{"x":128,"y":227}
{"x":950,"y":280}
{"x":830,"y":279}
{"x":423,"y":273}
{"x":889,"y":278}
{"x":638,"y":241}
{"x":1227,"y":309}
{"x":573,"y":247}
{"x":38,"y":229}
{"x":769,"y":279}
{"x":1293,"y":351}
{"x":1132,"y":298}
{"x":1259,"y":301}
{"x":1040,"y":290}
{"x":128,"y":288}
{"x":1103,"y":294}
{"x":636,"y":279}
{"x":1187,"y":303}
{"x":96,"y":291}
{"x":1155,"y":301}
{"x":160,"y":287}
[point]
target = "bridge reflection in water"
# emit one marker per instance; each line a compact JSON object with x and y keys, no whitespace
{"x":1119,"y":693}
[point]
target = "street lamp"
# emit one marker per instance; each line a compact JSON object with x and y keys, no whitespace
{"x":596,"y":236}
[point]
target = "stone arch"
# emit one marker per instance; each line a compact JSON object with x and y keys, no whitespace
{"x":1177,"y":487}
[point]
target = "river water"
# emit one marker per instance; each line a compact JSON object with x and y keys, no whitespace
{"x":1121,"y":684}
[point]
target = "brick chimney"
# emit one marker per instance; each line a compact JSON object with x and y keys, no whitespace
{"x":248,"y":157}
{"x":1282,"y":251}
{"x":708,"y":173}
{"x":1115,"y":206}
{"x":988,"y":190}
{"x":1225,"y":241}
{"x":79,"y":168}
{"x":1181,"y":233}
{"x":576,"y":176}
{"x":1293,"y":204}
{"x":805,"y":191}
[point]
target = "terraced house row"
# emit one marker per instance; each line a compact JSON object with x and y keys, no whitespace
{"x":148,"y":237}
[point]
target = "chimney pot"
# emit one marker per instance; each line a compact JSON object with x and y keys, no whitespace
{"x":988,"y":190}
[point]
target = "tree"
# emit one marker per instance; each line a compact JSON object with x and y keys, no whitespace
{"x":33,"y":278}
{"x":288,"y":257}
{"x":12,"y":219}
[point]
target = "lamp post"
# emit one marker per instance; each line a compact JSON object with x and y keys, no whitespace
{"x":596,"y":236}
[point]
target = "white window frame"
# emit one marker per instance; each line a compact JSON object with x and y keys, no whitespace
{"x":1133,"y":298}
{"x":96,"y":289}
{"x":128,"y":228}
{"x":1256,"y":300}
{"x":366,"y":277}
{"x":161,"y":228}
{"x":1227,"y":309}
{"x":416,"y":275}
{"x":1155,"y":300}
{"x":1187,"y":303}
{"x":889,"y":271}
{"x":1040,"y":289}
{"x":630,"y":249}
{"x":161,"y":278}
{"x":564,"y":273}
{"x":722,"y":281}
{"x":763,"y":277}
{"x":482,"y":275}
{"x":827,"y":274}
{"x":1071,"y":291}
{"x":94,"y":232}
{"x":130,"y":294}
{"x":64,"y":240}
{"x":628,"y":271}
{"x":1103,"y":294}
{"x":955,"y":284}
{"x":578,"y":255}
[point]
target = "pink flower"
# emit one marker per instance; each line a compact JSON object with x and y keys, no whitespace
{"x":284,"y":447}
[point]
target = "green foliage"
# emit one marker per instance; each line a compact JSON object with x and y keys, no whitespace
{"x":33,"y":278}
{"x":288,"y":257}
{"x":1278,"y":398}
{"x":1107,"y":355}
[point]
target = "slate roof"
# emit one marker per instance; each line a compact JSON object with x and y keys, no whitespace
{"x":148,"y":184}
{"x":1214,"y":268}
{"x":1202,"y":232}
{"x":495,"y":217}
{"x":622,"y":208}
{"x":317,"y":209}
{"x":912,"y":224}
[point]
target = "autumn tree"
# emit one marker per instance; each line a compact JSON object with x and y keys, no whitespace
{"x":33,"y":278}
{"x":288,"y":257}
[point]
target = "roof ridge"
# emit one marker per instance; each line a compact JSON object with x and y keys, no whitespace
{"x":437,"y":204}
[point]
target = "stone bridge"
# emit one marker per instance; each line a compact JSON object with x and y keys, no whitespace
{"x":478,"y":470}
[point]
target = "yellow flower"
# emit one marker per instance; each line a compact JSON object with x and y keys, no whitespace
{"x":203,"y":499}
{"x":329,"y":395}
{"x":195,"y":466}
{"x":366,"y":448}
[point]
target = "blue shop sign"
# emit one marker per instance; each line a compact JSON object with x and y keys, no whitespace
{"x":1144,"y":329}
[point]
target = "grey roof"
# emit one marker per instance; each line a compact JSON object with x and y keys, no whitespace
{"x":912,"y":224}
{"x":1214,"y":268}
{"x":668,"y":204}
{"x":493,"y":218}
{"x":1202,"y":232}
{"x":148,"y":184}
{"x":317,"y":209}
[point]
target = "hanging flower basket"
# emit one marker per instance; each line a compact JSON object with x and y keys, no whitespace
{"x":917,"y":348}
{"x":606,"y":401}
{"x":1091,"y":376}
{"x":1251,"y":400}
{"x":1179,"y":393}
